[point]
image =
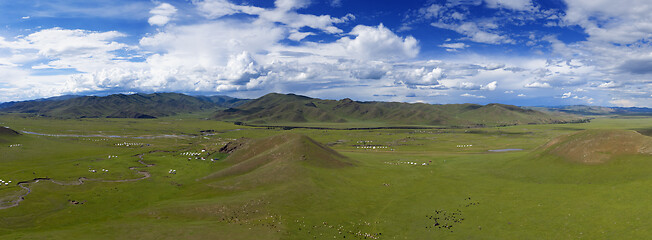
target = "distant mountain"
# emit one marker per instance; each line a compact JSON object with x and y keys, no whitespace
{"x":596,"y":110}
{"x":224,"y":101}
{"x":121,"y":106}
{"x":64,"y":97}
{"x":276,"y":109}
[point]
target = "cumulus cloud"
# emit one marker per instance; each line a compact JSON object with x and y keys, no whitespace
{"x":491,"y":86}
{"x":236,"y":46}
{"x":378,"y":43}
{"x":420,"y":77}
{"x":162,"y":14}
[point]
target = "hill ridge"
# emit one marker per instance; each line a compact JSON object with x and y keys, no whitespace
{"x":277,"y":109}
{"x":122,"y":105}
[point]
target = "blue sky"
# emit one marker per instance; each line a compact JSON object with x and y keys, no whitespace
{"x":522,"y":52}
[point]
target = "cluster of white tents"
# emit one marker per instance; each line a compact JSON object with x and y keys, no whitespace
{"x":190,"y":154}
{"x":465,"y":145}
{"x":112,"y":156}
{"x":372,"y":147}
{"x":5,"y":183}
{"x":96,"y":140}
{"x":15,"y":145}
{"x":94,"y":171}
{"x":172,"y":171}
{"x":364,"y":141}
{"x":407,"y":163}
{"x":126,"y":144}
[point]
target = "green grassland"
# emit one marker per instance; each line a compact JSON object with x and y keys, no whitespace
{"x":273,"y":191}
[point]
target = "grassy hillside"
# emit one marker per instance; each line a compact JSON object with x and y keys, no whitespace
{"x":120,"y":106}
{"x":288,"y":109}
{"x":276,"y":159}
{"x":7,"y":134}
{"x":597,"y":110}
{"x":224,"y":101}
{"x":599,"y":146}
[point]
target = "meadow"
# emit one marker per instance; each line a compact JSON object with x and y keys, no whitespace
{"x":415,"y":184}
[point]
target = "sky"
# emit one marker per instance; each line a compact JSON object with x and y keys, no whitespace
{"x":521,"y":52}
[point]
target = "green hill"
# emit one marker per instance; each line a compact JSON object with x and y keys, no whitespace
{"x":122,"y":106}
{"x":276,"y":108}
{"x":596,"y":110}
{"x":8,"y":132}
{"x":275,"y":159}
{"x":599,"y":146}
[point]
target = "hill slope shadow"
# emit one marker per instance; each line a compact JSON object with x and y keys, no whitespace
{"x":281,"y":158}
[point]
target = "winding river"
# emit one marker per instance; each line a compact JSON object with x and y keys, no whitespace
{"x":80,"y":181}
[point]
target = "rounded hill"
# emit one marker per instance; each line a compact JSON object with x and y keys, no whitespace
{"x":280,"y":158}
{"x":6,"y":131}
{"x":599,"y":146}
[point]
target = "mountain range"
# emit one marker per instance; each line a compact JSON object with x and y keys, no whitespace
{"x":281,"y":109}
{"x":121,"y":105}
{"x":287,"y":109}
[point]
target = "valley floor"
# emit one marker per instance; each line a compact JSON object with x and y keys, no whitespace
{"x":120,"y":182}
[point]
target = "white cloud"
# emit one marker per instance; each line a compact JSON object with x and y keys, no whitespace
{"x":623,"y":103}
{"x":520,"y":5}
{"x":285,"y":13}
{"x":537,"y":85}
{"x":298,"y":36}
{"x":214,"y":9}
{"x":472,"y":96}
{"x":378,"y":43}
{"x":452,"y":47}
{"x":566,"y":95}
{"x":521,"y":95}
{"x":291,"y":4}
{"x":624,"y":22}
{"x":162,"y":14}
{"x":474,"y":33}
{"x":420,"y":76}
{"x":431,"y":11}
{"x":610,"y":84}
{"x":491,"y":86}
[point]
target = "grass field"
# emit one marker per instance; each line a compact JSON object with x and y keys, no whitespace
{"x":463,"y":192}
